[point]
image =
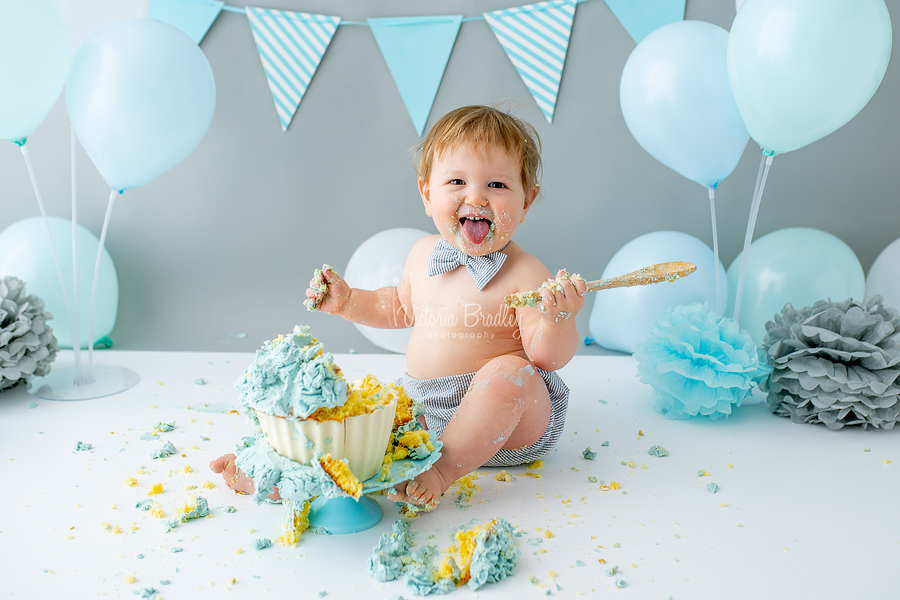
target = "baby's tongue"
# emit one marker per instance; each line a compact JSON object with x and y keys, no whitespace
{"x":476,"y":231}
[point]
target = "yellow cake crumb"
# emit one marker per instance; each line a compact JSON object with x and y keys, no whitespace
{"x":239,"y":550}
{"x":341,"y":475}
{"x":129,"y":482}
{"x":157,"y":512}
{"x":186,"y":469}
{"x":602,"y":561}
{"x":887,"y":461}
{"x":703,"y":473}
{"x":209,"y":485}
{"x":548,"y":534}
{"x":130,"y":579}
{"x":156,"y":488}
{"x":503,"y":476}
{"x":363,"y":397}
{"x":298,"y":523}
{"x":466,"y":487}
{"x":535,"y":464}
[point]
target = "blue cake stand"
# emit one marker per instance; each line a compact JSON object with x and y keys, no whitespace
{"x":342,"y":514}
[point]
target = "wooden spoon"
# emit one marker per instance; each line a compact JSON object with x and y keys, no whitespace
{"x":668,"y":271}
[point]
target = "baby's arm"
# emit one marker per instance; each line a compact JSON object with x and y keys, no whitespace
{"x":548,"y":333}
{"x":381,"y":308}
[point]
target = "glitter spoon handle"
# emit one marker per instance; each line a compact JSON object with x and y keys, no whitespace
{"x":668,"y":271}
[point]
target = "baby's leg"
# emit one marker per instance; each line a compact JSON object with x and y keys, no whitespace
{"x":235,"y":478}
{"x":507,"y":406}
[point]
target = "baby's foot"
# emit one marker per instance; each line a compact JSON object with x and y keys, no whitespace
{"x":234,"y":477}
{"x":425,"y":490}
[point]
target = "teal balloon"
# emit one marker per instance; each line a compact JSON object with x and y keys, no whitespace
{"x":800,"y":69}
{"x":25,"y":252}
{"x":677,"y":101}
{"x":797,"y":265}
{"x":621,"y":318}
{"x":34,"y":57}
{"x":141,"y":96}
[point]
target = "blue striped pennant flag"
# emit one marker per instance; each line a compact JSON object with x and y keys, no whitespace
{"x":291,"y":46}
{"x":536,"y":39}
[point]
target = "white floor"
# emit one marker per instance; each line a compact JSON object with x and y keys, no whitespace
{"x":801,"y":511}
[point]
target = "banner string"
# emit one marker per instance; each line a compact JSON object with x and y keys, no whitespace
{"x":243,"y":11}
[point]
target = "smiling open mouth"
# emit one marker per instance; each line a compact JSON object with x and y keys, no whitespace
{"x":475,"y":228}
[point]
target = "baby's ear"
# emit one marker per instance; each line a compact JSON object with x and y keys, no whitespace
{"x":530,"y":197}
{"x":425,"y":192}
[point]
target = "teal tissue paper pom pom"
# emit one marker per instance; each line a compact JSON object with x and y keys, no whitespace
{"x":698,"y":363}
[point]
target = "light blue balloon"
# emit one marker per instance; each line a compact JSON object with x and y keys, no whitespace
{"x":677,"y":101}
{"x":621,"y":317}
{"x":25,"y":253}
{"x":140,"y":95}
{"x":797,"y":265}
{"x":800,"y":69}
{"x":34,"y":57}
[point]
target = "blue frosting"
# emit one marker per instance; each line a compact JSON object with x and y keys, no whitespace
{"x":291,"y":377}
{"x":495,"y":556}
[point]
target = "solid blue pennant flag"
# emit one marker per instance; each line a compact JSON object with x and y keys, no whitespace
{"x":291,"y":46}
{"x":536,"y":40}
{"x":416,"y":50}
{"x":641,"y":17}
{"x":194,"y":17}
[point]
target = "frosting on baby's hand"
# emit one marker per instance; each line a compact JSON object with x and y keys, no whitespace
{"x":319,"y":287}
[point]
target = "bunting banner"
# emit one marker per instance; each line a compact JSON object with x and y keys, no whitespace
{"x":291,"y":46}
{"x":641,"y":17}
{"x":536,"y":39}
{"x":193,"y":17}
{"x":416,"y":50}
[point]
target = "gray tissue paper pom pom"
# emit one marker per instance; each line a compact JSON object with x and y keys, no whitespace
{"x":27,"y":343}
{"x":835,"y":363}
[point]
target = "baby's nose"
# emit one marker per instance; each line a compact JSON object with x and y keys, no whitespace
{"x":475,"y":199}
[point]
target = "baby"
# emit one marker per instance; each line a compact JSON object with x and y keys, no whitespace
{"x":483,"y":374}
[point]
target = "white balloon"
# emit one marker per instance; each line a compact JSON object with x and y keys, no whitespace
{"x":884,"y":276}
{"x":84,"y":17}
{"x":379,"y":262}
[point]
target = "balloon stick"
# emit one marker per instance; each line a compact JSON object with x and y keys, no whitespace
{"x":40,"y":201}
{"x":109,"y":207}
{"x":712,"y":211}
{"x":76,"y":332}
{"x":764,"y":165}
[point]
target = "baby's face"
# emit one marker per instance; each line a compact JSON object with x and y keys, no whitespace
{"x":476,"y":197}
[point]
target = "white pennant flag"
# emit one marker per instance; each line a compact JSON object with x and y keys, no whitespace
{"x":536,"y":39}
{"x":291,"y":46}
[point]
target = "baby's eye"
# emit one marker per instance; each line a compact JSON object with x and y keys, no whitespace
{"x":497,"y":185}
{"x":456,"y":182}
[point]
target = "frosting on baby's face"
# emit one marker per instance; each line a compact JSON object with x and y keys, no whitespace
{"x":476,"y":197}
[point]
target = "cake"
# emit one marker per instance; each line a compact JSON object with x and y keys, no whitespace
{"x":300,"y":400}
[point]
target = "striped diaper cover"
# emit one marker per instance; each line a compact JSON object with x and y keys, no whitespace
{"x":441,"y":396}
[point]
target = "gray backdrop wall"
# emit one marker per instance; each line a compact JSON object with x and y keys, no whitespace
{"x":225,"y":242}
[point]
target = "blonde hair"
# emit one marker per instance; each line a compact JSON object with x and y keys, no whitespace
{"x":484,"y":127}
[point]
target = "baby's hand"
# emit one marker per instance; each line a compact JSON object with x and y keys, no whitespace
{"x":562,"y":301}
{"x":327,"y":292}
{"x":235,"y":478}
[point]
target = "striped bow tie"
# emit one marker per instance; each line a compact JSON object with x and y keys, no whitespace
{"x":444,"y":258}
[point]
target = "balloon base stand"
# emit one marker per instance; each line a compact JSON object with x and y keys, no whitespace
{"x":343,"y":515}
{"x":97,"y":382}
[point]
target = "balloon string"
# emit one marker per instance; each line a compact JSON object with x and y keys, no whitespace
{"x":40,"y":201}
{"x":109,"y":207}
{"x":764,"y":165}
{"x":76,"y":329}
{"x":712,"y":211}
